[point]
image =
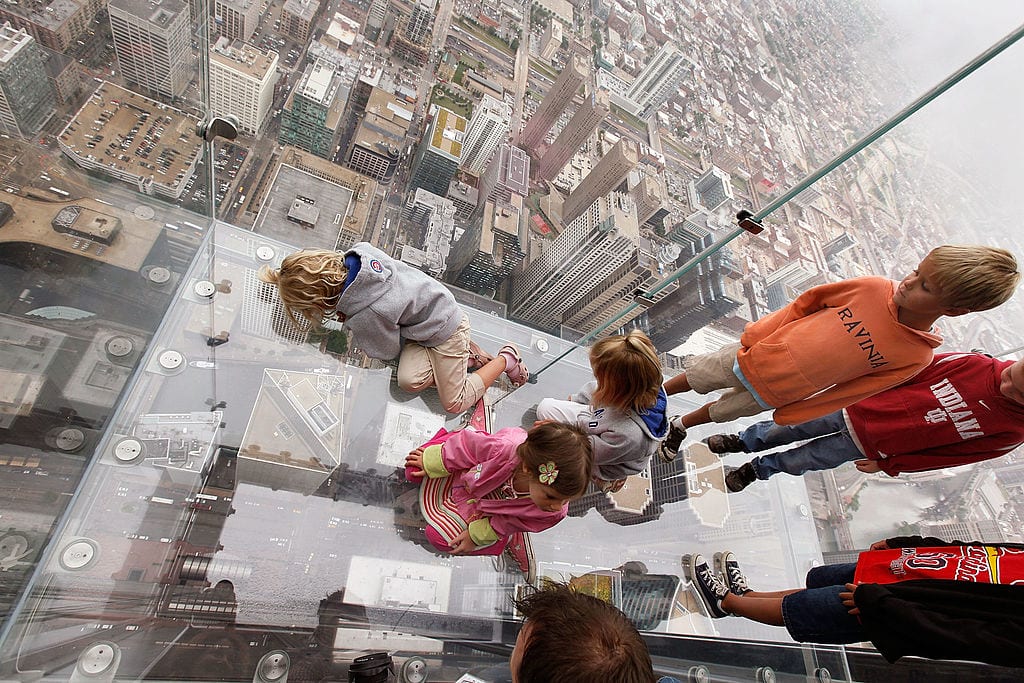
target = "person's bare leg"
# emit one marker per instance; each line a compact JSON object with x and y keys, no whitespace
{"x":766,"y":610}
{"x":491,"y":371}
{"x":701,"y":416}
{"x":677,"y":384}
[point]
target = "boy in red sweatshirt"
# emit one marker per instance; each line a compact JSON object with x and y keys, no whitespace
{"x":963,"y":408}
{"x":841,"y":342}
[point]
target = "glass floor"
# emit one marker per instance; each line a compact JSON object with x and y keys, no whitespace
{"x":251,"y":478}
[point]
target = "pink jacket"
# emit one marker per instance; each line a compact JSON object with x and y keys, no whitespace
{"x":481,"y":465}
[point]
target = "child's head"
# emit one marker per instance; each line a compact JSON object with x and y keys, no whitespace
{"x":627,"y":370}
{"x":569,"y":636}
{"x":558,"y":458}
{"x":309,"y":282}
{"x":1011,"y":382}
{"x":974,"y":277}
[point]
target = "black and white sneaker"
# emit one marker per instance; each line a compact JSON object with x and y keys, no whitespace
{"x":668,"y":449}
{"x":727,"y":565}
{"x":710,"y":586}
{"x":739,"y":478}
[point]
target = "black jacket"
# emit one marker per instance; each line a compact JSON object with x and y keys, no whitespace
{"x":944,"y":619}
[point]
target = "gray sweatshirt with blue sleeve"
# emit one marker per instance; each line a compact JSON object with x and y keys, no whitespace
{"x":622,"y":441}
{"x":389,"y":301}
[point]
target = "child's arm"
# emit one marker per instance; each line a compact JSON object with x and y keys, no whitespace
{"x":467,"y":448}
{"x":487,"y":530}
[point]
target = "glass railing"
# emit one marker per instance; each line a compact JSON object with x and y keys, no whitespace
{"x":196,"y":490}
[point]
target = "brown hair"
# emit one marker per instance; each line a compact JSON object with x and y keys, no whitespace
{"x":309,"y":283}
{"x":567,"y":447}
{"x":579,"y":638}
{"x":973,"y":276}
{"x":628,"y":371}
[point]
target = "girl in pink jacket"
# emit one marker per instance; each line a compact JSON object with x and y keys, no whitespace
{"x":482,"y":492}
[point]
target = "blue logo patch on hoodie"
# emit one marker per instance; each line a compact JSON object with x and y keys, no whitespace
{"x":654,"y":417}
{"x":376,"y":266}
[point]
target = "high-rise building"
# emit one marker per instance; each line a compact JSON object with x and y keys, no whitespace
{"x":236,"y":19}
{"x":312,"y":114}
{"x":551,"y":40}
{"x":55,"y":24}
{"x":484,"y":257}
{"x":298,"y":18}
{"x":591,"y":248}
{"x":375,"y":16}
{"x":26,"y":99}
{"x":659,"y":79}
{"x":434,"y":216}
{"x":700,"y":299}
{"x":153,"y":44}
{"x":713,"y":188}
{"x":487,"y":129}
{"x":649,"y":197}
{"x":440,"y":150}
{"x":508,"y":175}
{"x":411,"y":39}
{"x":554,"y":103}
{"x":582,"y":125}
{"x":377,"y":143}
{"x":608,"y":299}
{"x":608,"y":174}
{"x":242,"y":82}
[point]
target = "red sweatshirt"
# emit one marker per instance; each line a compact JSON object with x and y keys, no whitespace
{"x":950,"y":414}
{"x":834,"y":345}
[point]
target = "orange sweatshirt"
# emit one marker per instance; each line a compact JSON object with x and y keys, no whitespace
{"x":832,"y":346}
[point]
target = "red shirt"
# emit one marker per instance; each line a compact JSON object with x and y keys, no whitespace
{"x":950,"y":414}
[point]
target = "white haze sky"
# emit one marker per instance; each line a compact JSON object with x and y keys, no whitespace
{"x":979,"y":124}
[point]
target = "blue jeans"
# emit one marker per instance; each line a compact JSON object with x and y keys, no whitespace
{"x":817,"y":614}
{"x":830,"y":445}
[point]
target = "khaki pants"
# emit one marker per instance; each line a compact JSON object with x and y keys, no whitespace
{"x":714,"y":371}
{"x":443,"y":366}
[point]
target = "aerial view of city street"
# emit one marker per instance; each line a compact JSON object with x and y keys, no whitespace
{"x":194,"y":486}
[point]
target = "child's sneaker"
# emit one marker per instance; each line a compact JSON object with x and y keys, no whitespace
{"x":727,"y":566}
{"x":520,"y":552}
{"x":726,"y":443}
{"x":668,"y":449}
{"x":515,"y":368}
{"x":739,"y":478}
{"x":711,"y":589}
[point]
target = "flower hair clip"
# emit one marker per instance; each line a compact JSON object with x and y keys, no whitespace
{"x":548,"y":473}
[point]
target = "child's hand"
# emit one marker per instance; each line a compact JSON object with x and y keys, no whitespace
{"x":537,"y":423}
{"x":867,"y":466}
{"x":880,"y":545}
{"x":463,"y":544}
{"x":847,"y":598}
{"x":415,"y":461}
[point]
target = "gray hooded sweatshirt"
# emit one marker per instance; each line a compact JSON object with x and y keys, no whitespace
{"x":622,"y":441}
{"x":389,"y":301}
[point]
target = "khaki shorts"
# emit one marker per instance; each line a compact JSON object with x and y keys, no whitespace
{"x":443,"y":366}
{"x":714,"y":372}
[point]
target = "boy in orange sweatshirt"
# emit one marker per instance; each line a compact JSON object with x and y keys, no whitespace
{"x":841,"y":342}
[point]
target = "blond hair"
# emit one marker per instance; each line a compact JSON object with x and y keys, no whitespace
{"x":973,"y":276}
{"x":627,"y":370}
{"x":309,"y":283}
